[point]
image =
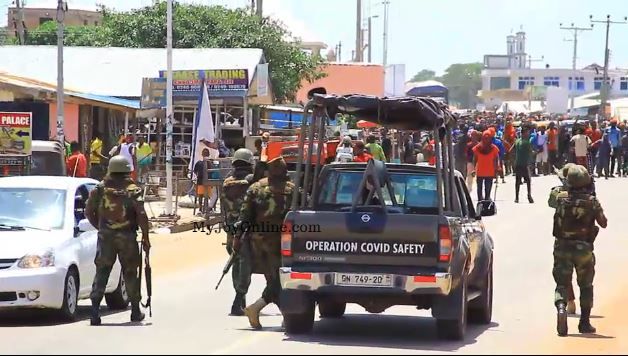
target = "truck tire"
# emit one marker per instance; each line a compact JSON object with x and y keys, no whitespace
{"x":332,"y":309}
{"x":481,"y":309}
{"x":454,"y":329}
{"x":300,"y":323}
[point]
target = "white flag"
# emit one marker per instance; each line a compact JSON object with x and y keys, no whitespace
{"x":203,"y":130}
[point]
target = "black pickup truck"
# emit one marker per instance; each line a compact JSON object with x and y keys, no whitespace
{"x":380,"y":235}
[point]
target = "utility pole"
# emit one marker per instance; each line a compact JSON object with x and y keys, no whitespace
{"x":20,"y":22}
{"x":358,"y":33}
{"x":169,"y":110}
{"x":530,"y":60}
{"x":339,"y":52}
{"x":604,"y":92}
{"x":260,"y":8}
{"x":385,"y":57}
{"x":62,"y":7}
{"x":531,"y":87}
{"x":575,"y":30}
{"x":370,"y":38}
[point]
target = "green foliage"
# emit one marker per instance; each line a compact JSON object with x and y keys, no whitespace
{"x":197,"y":26}
{"x":463,"y":81}
{"x":425,"y":74}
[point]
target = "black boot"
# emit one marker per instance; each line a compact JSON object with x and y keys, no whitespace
{"x":136,"y":313}
{"x":585,"y":327}
{"x":237,"y":308}
{"x":95,"y":318}
{"x":530,"y":200}
{"x":561,"y":319}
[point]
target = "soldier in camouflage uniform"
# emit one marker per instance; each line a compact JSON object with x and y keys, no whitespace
{"x":116,"y":208}
{"x":577,"y":211}
{"x":265,"y":206}
{"x":233,"y":190}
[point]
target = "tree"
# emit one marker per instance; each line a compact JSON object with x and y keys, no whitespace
{"x":197,"y":26}
{"x":463,"y":81}
{"x":425,"y":74}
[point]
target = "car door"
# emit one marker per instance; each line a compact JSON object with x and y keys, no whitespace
{"x":86,"y":240}
{"x":468,"y":220}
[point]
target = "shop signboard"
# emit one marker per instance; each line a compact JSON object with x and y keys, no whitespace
{"x":15,"y":133}
{"x":189,"y":81}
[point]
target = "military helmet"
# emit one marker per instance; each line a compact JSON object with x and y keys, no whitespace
{"x":244,"y":155}
{"x":119,"y":164}
{"x":578,"y":177}
{"x":562,"y":173}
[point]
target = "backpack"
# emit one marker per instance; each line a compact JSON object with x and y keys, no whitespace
{"x":574,"y":217}
{"x":116,"y":210}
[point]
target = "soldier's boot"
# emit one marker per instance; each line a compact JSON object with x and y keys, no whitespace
{"x":571,"y":307}
{"x":236,"y":307}
{"x":561,"y":319}
{"x":243,"y":302}
{"x":95,"y":317}
{"x":136,"y":313}
{"x":252,"y":312}
{"x":585,"y":327}
{"x":530,"y":200}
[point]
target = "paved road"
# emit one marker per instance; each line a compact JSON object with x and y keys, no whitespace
{"x":190,"y":317}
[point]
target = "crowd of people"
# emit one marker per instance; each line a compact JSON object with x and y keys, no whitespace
{"x":488,"y":147}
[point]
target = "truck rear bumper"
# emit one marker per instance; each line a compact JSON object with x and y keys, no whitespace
{"x":325,"y":282}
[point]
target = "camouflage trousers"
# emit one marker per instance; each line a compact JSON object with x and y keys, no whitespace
{"x":242,"y":267}
{"x":124,"y":246}
{"x":567,"y":256}
{"x":268,"y":250}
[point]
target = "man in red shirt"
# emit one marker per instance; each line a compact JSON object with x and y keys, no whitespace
{"x":360,"y":154}
{"x":76,"y":164}
{"x":486,"y":159}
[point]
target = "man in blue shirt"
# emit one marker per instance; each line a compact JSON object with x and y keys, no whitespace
{"x":614,"y":136}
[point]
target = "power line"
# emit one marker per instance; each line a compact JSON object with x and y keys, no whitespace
{"x":575,"y":30}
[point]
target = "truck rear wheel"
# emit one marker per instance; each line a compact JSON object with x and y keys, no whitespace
{"x":300,"y":323}
{"x":332,"y":309}
{"x":481,"y":309}
{"x":454,"y":329}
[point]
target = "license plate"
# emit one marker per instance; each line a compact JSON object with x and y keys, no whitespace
{"x":364,"y":280}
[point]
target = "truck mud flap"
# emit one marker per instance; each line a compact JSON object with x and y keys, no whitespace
{"x":295,"y":301}
{"x":448,"y":306}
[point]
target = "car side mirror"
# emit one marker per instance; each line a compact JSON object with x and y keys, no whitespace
{"x":85,"y":226}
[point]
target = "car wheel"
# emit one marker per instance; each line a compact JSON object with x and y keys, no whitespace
{"x":332,"y":309}
{"x":118,"y":299}
{"x":481,"y":309}
{"x":454,"y":329}
{"x":70,"y":296}
{"x":300,"y":323}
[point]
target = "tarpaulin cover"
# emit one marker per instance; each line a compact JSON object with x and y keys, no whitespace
{"x":403,"y":113}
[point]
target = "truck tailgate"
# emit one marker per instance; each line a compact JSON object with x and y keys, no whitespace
{"x":358,"y":238}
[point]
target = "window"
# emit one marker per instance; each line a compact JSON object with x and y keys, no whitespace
{"x":95,"y":23}
{"x":551,"y":81}
{"x":43,"y":20}
{"x":415,"y":192}
{"x":623,"y":83}
{"x":84,"y":22}
{"x":579,"y":83}
{"x":597,"y":83}
{"x":32,"y":208}
{"x":462,"y":198}
{"x":525,"y":81}
{"x":500,"y":83}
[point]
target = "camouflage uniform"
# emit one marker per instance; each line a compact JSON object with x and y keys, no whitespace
{"x":265,"y":206}
{"x":233,"y":190}
{"x":575,"y":230}
{"x":116,"y":201}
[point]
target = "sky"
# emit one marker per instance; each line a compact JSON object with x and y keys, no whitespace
{"x":432,"y":34}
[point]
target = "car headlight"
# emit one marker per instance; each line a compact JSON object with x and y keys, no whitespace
{"x":37,"y":261}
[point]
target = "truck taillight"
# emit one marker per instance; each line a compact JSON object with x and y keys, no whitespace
{"x":445,"y":243}
{"x":286,"y":239}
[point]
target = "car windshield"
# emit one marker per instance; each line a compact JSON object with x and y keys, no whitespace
{"x":46,"y":163}
{"x":413,"y":191}
{"x":34,"y":208}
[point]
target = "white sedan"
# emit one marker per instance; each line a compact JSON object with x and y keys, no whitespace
{"x":47,"y":247}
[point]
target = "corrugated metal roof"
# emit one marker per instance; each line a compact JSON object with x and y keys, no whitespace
{"x":22,"y":82}
{"x":112,"y":71}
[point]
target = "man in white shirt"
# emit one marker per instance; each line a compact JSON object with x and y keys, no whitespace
{"x":581,"y":144}
{"x":542,"y":155}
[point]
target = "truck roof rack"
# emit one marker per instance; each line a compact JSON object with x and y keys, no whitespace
{"x":401,"y":113}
